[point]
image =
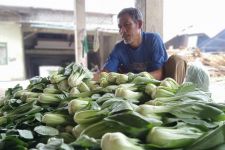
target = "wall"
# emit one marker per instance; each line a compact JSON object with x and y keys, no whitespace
{"x":107,"y":43}
{"x":11,"y":34}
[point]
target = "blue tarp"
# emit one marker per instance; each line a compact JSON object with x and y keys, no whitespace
{"x":215,"y":44}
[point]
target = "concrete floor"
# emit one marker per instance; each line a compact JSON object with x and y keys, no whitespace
{"x":217,"y":88}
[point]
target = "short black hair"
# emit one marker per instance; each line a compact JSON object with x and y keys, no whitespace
{"x":134,"y":13}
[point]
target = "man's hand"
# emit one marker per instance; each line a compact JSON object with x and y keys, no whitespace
{"x":97,"y":74}
{"x":157,"y":74}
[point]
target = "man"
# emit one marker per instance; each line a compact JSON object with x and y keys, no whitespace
{"x":139,"y":51}
{"x":142,"y":51}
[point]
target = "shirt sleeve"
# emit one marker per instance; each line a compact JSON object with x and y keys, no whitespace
{"x":112,"y":62}
{"x":158,"y":54}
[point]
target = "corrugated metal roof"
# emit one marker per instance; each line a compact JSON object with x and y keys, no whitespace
{"x":215,"y":44}
{"x":181,"y":41}
{"x":56,"y":19}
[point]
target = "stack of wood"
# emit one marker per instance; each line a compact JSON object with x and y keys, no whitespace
{"x":214,"y":62}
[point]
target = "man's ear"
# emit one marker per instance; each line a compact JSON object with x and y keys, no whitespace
{"x":140,"y":23}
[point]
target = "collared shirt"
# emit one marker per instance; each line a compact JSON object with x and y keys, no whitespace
{"x":149,"y":56}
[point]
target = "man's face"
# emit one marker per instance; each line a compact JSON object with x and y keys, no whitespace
{"x":129,"y":29}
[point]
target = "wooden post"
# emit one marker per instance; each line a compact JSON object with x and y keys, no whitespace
{"x":152,"y":11}
{"x":80,"y":31}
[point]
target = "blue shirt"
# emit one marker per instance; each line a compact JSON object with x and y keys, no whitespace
{"x":149,"y":56}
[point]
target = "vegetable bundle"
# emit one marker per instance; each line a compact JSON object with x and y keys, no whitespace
{"x":68,"y":110}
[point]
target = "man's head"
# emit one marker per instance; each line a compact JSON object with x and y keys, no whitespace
{"x":130,"y":22}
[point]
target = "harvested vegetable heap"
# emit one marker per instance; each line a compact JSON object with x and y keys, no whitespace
{"x":68,"y":110}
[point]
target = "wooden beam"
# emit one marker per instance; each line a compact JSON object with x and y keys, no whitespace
{"x":152,"y":11}
{"x":48,"y":52}
{"x":80,"y":31}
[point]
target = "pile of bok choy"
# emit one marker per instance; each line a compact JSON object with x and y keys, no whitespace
{"x":69,"y":110}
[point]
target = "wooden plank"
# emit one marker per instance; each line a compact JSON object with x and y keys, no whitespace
{"x":152,"y":11}
{"x":80,"y":31}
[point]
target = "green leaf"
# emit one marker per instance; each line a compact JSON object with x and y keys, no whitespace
{"x":138,"y":121}
{"x":199,"y":95}
{"x":9,"y":93}
{"x":219,"y":147}
{"x":37,"y":84}
{"x":97,"y":130}
{"x":27,"y":134}
{"x":38,"y":116}
{"x":104,"y":98}
{"x":46,"y":130}
{"x":195,"y":110}
{"x":54,"y":144}
{"x":12,"y":142}
{"x":86,"y":142}
{"x":38,"y":79}
{"x":209,"y":140}
{"x":185,"y":88}
{"x":201,"y":124}
{"x":121,"y":106}
{"x":92,"y":106}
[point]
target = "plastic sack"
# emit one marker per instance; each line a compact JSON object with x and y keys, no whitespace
{"x":197,"y":74}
